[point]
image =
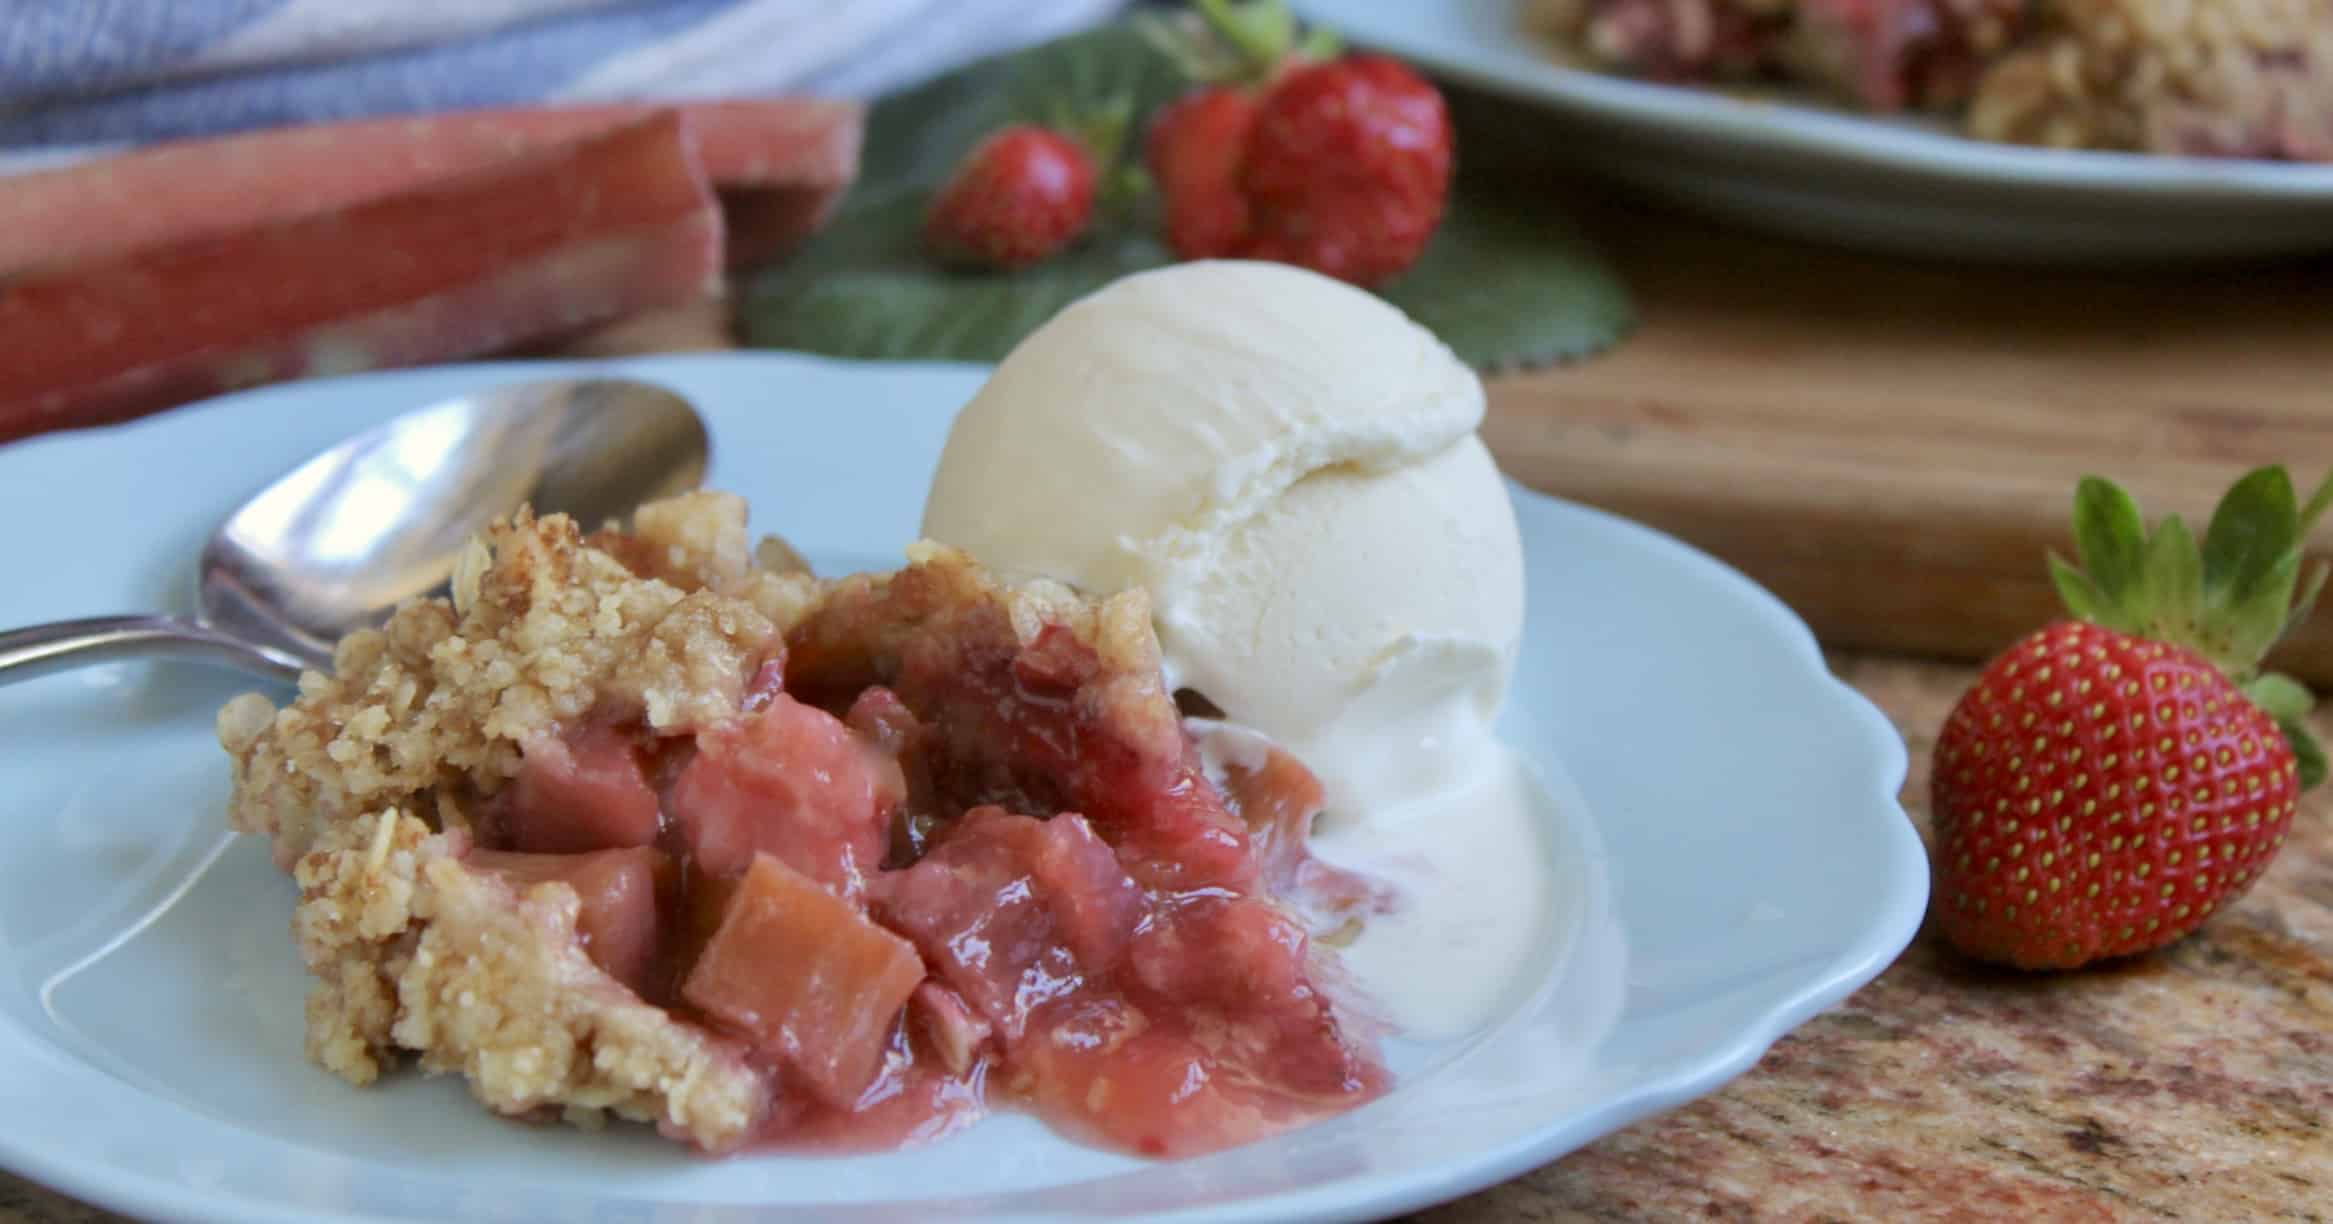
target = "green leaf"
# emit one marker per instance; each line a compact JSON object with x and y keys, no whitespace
{"x":1183,"y":42}
{"x":2307,"y":753}
{"x":1505,"y":285}
{"x":1506,"y":281}
{"x":2280,"y":696}
{"x":2109,"y":537}
{"x":1260,"y":30}
{"x":2171,"y":582}
{"x":2082,"y":598}
{"x":867,"y":289}
{"x":2306,"y":601}
{"x":2253,"y":527}
{"x":1320,"y":43}
{"x":2248,"y":627}
{"x":2319,"y":502}
{"x":1101,"y":126}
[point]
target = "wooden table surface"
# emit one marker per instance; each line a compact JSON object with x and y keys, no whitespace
{"x":2193,"y":1084}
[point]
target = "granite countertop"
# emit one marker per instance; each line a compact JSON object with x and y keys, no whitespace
{"x":2196,"y":1083}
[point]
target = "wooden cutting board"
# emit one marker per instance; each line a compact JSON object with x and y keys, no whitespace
{"x":1891,"y":446}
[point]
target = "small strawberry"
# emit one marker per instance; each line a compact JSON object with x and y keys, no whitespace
{"x":1018,"y":198}
{"x":1194,"y":152}
{"x":1340,"y":164}
{"x":2110,"y":781}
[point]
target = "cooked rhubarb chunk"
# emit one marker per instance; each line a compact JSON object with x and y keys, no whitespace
{"x":1012,"y":911}
{"x":791,"y":781}
{"x":1216,"y":1036}
{"x":618,"y":888}
{"x":579,"y":793}
{"x":882,"y":717}
{"x":1245,"y":961}
{"x":1106,"y":1069}
{"x":768,"y":681}
{"x":884,"y":720}
{"x":1095,"y":906}
{"x":1229,"y":951}
{"x":947,"y":1025}
{"x":806,"y":977}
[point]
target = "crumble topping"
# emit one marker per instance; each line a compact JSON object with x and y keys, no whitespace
{"x":654,"y":824}
{"x":546,"y":629}
{"x":416,"y":951}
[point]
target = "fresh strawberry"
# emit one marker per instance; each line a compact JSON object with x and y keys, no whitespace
{"x":1339,"y":164}
{"x":1347,"y":169}
{"x":1019,"y":197}
{"x":2112,"y":780}
{"x":1194,"y":153}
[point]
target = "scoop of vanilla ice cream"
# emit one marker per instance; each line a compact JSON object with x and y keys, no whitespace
{"x":1290,"y":466}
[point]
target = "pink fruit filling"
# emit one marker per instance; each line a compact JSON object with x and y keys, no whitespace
{"x":927,"y":868}
{"x":792,"y":782}
{"x":806,"y":977}
{"x":621,"y":919}
{"x":580,"y":793}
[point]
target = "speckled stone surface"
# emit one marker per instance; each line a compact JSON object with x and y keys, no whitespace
{"x":2194,"y":1084}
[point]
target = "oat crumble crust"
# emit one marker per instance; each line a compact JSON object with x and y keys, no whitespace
{"x":365,"y":784}
{"x":415,"y":951}
{"x":545,"y":627}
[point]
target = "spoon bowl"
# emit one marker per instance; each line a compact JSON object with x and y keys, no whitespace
{"x":341,"y":541}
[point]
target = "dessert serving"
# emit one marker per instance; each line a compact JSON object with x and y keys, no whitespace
{"x":650,"y":822}
{"x":2202,"y":78}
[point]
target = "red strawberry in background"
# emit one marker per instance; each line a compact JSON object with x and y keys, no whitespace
{"x":1194,"y":151}
{"x":1019,"y":197}
{"x":2111,"y":781}
{"x":1340,"y":164}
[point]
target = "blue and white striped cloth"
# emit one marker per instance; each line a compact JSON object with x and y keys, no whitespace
{"x":79,"y":76}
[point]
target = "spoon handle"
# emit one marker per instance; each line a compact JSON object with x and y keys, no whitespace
{"x":42,"y":649}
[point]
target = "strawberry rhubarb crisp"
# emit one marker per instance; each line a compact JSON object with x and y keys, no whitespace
{"x":657,"y":825}
{"x":2195,"y":78}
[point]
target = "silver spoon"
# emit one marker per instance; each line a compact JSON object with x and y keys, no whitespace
{"x":340,"y":541}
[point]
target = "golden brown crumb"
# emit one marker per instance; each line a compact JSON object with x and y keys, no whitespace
{"x":414,"y":951}
{"x":778,"y":557}
{"x":2249,"y":78}
{"x":875,"y":614}
{"x":551,"y":630}
{"x":365,"y":781}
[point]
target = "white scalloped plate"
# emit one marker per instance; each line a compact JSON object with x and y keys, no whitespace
{"x":1894,"y":183}
{"x":1730,"y":860}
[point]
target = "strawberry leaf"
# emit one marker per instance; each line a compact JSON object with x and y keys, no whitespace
{"x":1506,"y":285}
{"x":2251,"y":530}
{"x":867,"y":289}
{"x":2319,"y":502}
{"x":1504,"y":282}
{"x":1260,"y":30}
{"x":1320,"y":43}
{"x":2247,"y":628}
{"x":2110,"y":538}
{"x":2171,"y":582}
{"x":2307,"y":753}
{"x":2306,"y":601}
{"x":2280,"y":696}
{"x":2082,"y":597}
